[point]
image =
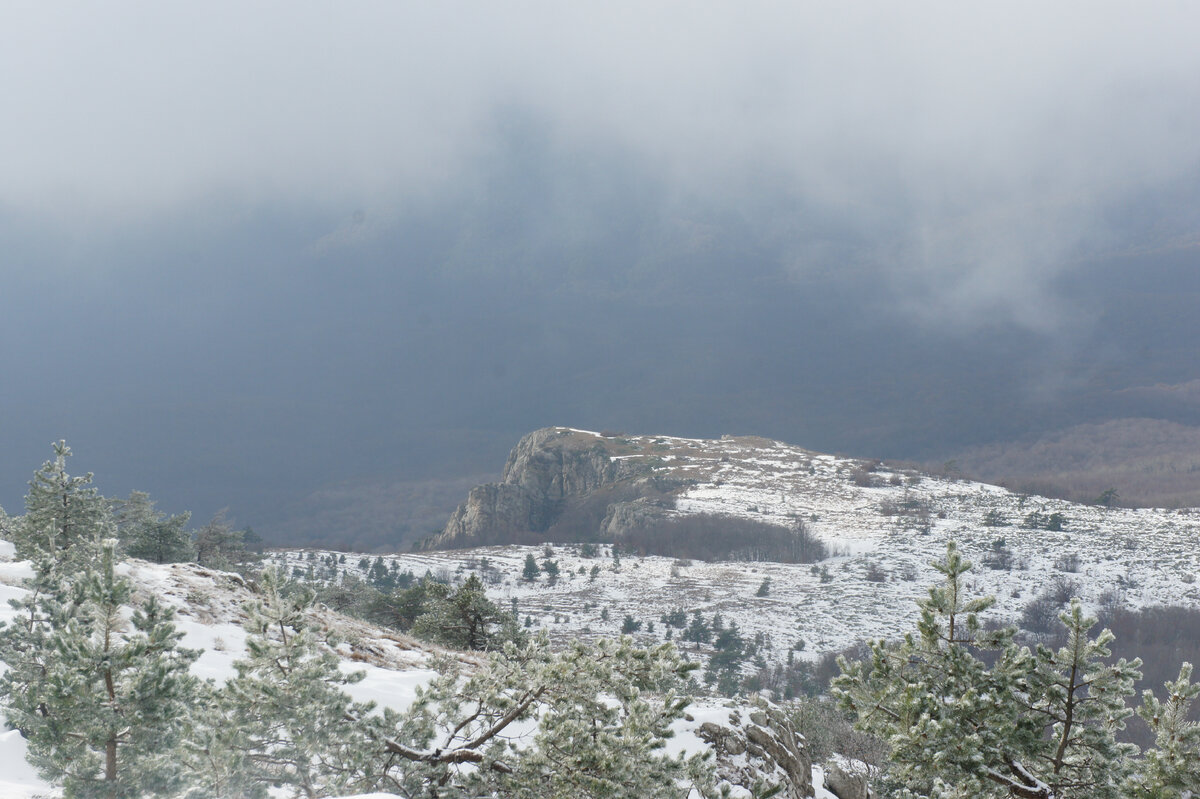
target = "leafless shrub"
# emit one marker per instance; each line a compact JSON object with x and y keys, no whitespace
{"x":1061,"y":590}
{"x":1040,"y":616}
{"x":1067,"y":563}
{"x":875,"y":573}
{"x":863,"y":477}
{"x":999,"y":558}
{"x":826,"y":731}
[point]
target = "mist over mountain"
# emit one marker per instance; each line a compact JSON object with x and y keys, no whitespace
{"x":286,"y":284}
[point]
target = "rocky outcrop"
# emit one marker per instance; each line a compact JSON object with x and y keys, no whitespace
{"x":554,"y":463}
{"x":761,"y":752}
{"x":624,"y":518}
{"x":848,"y":780}
{"x":551,"y":472}
{"x":494,"y":513}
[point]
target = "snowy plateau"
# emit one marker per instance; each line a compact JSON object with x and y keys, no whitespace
{"x":883,"y":527}
{"x":210,"y":609}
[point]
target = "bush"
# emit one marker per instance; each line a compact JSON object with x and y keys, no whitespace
{"x":1040,"y":616}
{"x":1067,"y":563}
{"x":1000,"y":557}
{"x":875,"y":573}
{"x":827,"y":732}
{"x":994,"y":518}
{"x":1062,"y":589}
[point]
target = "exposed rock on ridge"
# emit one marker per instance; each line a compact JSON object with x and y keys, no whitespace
{"x":762,"y":752}
{"x":547,"y":473}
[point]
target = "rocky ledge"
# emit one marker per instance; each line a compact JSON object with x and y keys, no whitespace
{"x":562,"y":484}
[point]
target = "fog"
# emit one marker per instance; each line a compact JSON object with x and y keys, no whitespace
{"x":252,"y":251}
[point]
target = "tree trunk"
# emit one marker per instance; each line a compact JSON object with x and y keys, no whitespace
{"x":110,"y":760}
{"x":110,"y":746}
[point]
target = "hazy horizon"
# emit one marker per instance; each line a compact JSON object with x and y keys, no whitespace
{"x":255,"y":252}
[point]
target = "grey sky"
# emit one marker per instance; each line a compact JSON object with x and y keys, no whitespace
{"x":347,"y":234}
{"x":949,"y":108}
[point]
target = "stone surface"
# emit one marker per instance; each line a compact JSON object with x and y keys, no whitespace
{"x":847,"y":782}
{"x":549,"y":474}
{"x":763,"y":752}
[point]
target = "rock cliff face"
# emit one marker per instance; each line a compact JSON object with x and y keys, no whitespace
{"x":555,"y":476}
{"x":761,"y":752}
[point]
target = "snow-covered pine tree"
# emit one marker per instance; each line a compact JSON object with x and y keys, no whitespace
{"x":1172,"y":768}
{"x":602,"y":714}
{"x":65,"y":517}
{"x":285,"y":720}
{"x":27,"y":650}
{"x":1080,"y":701}
{"x":115,"y":694}
{"x":1033,"y":725}
{"x":466,"y":619}
{"x":951,"y":721}
{"x":147,"y":533}
{"x":219,"y":546}
{"x":605,"y":725}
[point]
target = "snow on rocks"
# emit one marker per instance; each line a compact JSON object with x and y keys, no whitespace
{"x":883,"y":525}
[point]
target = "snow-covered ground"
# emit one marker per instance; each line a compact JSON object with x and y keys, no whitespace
{"x":887,"y":525}
{"x":210,"y":612}
{"x":890,"y":530}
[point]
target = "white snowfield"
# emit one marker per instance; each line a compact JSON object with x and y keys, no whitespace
{"x":890,"y":531}
{"x":209,"y":612}
{"x":883,"y":535}
{"x":209,"y":608}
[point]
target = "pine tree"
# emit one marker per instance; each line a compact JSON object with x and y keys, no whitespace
{"x":1172,"y":767}
{"x":953,"y":726}
{"x":531,"y":570}
{"x":1033,"y":725}
{"x":65,"y":517}
{"x":64,"y":521}
{"x":113,"y":698}
{"x":603,"y":713}
{"x":1080,"y":700}
{"x":286,"y":720}
{"x":219,"y":546}
{"x":698,"y":630}
{"x":27,"y":650}
{"x":147,"y":533}
{"x":466,"y":619}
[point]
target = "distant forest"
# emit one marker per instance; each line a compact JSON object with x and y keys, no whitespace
{"x":1149,"y":463}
